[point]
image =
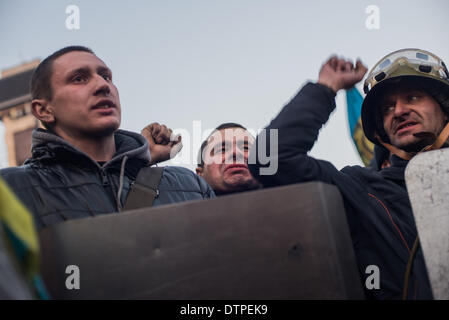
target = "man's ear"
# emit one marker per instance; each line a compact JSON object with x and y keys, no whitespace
{"x":199,"y":171}
{"x":42,"y":110}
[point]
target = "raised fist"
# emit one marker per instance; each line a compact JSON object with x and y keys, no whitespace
{"x":162,"y":143}
{"x":341,"y":74}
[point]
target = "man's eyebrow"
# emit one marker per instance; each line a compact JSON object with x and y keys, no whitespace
{"x":84,"y":70}
{"x":102,"y":69}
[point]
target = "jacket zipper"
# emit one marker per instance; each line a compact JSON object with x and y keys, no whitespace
{"x":104,"y":178}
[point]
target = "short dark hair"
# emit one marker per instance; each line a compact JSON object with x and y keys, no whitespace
{"x":222,"y":126}
{"x":41,"y":80}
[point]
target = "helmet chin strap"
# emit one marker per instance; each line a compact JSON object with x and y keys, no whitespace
{"x":437,"y":144}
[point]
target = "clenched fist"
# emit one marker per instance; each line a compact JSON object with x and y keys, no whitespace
{"x":341,"y":74}
{"x":163,"y":144}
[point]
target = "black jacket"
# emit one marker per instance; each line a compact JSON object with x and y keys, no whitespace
{"x":377,"y":204}
{"x":60,"y":182}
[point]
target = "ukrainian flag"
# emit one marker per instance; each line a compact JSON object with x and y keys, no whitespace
{"x":20,"y":234}
{"x":365,"y":147}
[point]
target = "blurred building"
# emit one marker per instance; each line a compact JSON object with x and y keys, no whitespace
{"x":15,"y":111}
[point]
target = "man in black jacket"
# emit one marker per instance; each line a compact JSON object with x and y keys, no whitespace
{"x":82,"y":165}
{"x":405,"y":110}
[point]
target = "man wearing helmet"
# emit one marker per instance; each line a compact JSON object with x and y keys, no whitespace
{"x":407,"y":101}
{"x":405,"y":112}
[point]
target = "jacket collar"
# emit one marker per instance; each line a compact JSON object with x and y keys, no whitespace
{"x":396,"y":170}
{"x":47,"y":146}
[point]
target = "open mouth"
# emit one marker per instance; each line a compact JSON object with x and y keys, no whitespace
{"x":405,"y":125}
{"x":104,"y":104}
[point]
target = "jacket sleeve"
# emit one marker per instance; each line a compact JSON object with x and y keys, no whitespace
{"x":297,"y":127}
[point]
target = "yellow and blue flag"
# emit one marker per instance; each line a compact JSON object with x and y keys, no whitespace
{"x":20,"y":233}
{"x":365,"y":147}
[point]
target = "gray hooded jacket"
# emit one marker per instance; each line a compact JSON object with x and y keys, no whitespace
{"x":60,"y":182}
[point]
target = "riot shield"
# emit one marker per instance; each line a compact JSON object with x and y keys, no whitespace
{"x":427,"y":179}
{"x":289,"y":242}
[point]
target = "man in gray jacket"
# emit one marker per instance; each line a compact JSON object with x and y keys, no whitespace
{"x":82,"y":165}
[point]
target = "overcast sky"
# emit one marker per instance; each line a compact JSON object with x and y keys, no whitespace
{"x":213,"y":61}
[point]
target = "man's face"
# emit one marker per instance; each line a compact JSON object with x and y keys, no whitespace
{"x":226,"y":161}
{"x":85,"y":102}
{"x":409,"y":111}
